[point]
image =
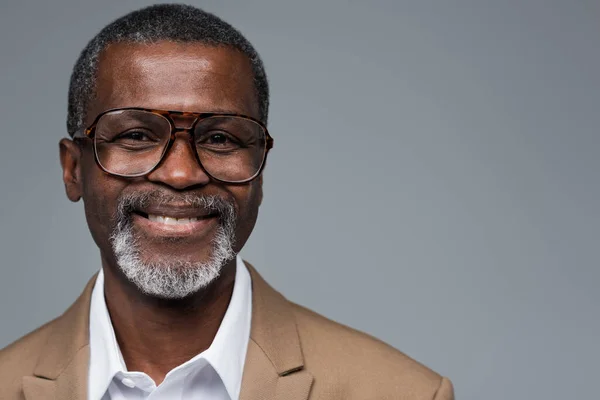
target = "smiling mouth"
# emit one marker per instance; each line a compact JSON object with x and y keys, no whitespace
{"x":170,"y":220}
{"x":169,"y":225}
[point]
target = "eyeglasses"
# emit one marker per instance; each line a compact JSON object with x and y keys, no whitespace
{"x":132,"y":142}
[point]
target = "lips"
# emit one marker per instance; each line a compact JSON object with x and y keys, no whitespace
{"x":175,"y":220}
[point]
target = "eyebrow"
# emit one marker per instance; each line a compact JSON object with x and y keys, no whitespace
{"x":222,"y":111}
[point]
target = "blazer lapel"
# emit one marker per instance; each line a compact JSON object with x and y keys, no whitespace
{"x":273,"y":370}
{"x":61,"y":371}
{"x":274,"y":367}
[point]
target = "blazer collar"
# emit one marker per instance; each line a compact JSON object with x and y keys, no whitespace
{"x":62,"y":368}
{"x":273,"y":370}
{"x":274,"y":367}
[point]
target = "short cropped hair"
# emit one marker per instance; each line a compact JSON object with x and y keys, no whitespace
{"x":161,"y":22}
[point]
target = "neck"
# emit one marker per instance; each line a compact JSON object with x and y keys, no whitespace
{"x":157,"y":335}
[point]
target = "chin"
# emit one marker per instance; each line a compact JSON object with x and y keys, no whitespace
{"x":172,"y":258}
{"x":171,"y":275}
{"x":174,"y":279}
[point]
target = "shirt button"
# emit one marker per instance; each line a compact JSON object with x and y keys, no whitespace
{"x":128,"y":382}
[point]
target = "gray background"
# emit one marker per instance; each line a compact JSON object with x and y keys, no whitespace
{"x":434,"y":180}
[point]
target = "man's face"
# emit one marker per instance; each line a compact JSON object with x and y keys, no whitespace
{"x":166,"y":76}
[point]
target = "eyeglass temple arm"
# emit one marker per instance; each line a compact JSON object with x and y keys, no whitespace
{"x":80,"y":133}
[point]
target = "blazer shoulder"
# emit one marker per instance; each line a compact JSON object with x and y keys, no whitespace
{"x":359,"y":364}
{"x":20,"y":357}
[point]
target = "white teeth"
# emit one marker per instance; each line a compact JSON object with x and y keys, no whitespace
{"x":170,"y":220}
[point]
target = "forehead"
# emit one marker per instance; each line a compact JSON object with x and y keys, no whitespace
{"x":174,"y":76}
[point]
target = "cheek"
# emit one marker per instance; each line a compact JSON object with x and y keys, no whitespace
{"x":100,"y":193}
{"x":248,"y":200}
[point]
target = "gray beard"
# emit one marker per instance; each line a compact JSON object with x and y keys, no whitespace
{"x":172,"y":278}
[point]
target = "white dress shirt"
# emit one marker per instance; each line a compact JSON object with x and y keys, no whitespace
{"x":214,"y":374}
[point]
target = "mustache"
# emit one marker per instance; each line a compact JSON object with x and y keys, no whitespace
{"x":130,"y":202}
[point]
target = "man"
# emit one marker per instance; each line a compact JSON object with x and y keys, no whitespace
{"x":168,"y":108}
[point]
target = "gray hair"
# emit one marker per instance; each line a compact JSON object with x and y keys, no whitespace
{"x":161,"y":22}
{"x":170,"y":278}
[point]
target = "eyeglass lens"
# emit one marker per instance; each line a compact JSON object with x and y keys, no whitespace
{"x":133,"y":142}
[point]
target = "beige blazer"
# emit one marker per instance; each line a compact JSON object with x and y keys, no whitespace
{"x":293,"y":354}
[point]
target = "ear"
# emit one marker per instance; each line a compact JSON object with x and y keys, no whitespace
{"x":70,"y":160}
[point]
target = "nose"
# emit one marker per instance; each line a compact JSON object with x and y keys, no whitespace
{"x":179,"y":168}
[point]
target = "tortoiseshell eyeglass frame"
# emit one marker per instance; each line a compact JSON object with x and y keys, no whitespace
{"x":90,"y":131}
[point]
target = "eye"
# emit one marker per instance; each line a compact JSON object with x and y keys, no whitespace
{"x":218,"y":140}
{"x":136,"y":136}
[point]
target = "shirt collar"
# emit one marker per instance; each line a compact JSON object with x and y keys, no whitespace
{"x":226,"y":354}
